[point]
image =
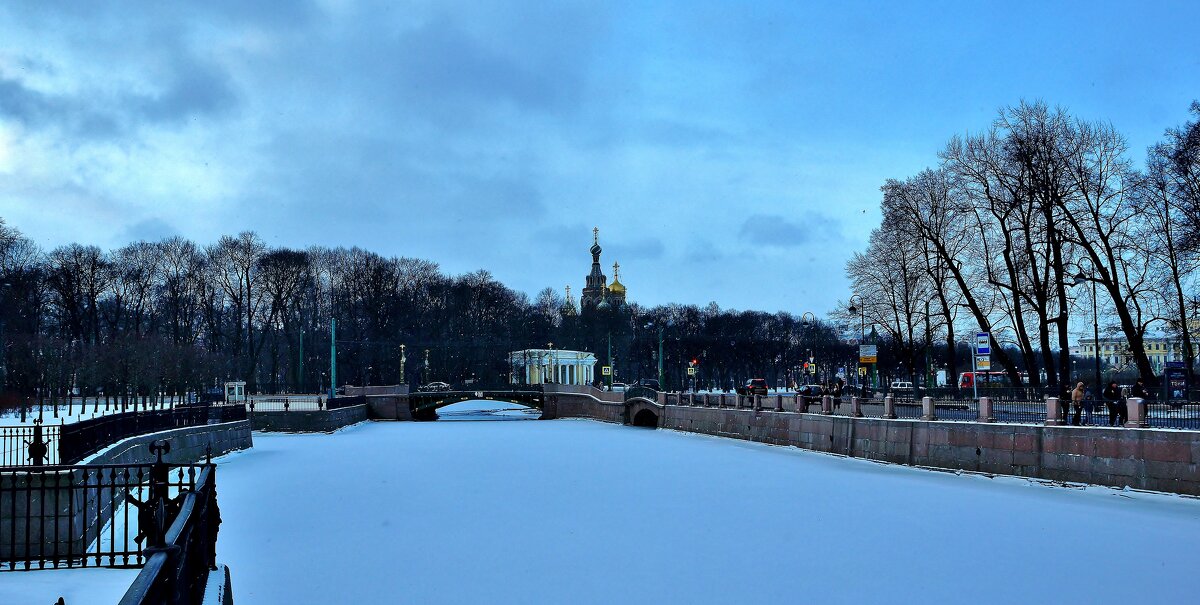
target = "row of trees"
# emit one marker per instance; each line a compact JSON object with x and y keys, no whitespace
{"x":174,"y":316}
{"x":1017,"y":224}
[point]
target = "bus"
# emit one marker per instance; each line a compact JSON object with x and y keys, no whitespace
{"x":966,"y":380}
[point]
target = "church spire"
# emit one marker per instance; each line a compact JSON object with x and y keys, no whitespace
{"x":568,"y":306}
{"x":596,"y":289}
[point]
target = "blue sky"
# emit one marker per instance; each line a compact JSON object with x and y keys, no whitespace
{"x":729,"y":152}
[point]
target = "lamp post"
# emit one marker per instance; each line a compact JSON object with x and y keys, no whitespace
{"x":862,"y":326}
{"x":403,"y":379}
{"x":660,"y":356}
{"x":1079,"y":279}
{"x":806,"y":323}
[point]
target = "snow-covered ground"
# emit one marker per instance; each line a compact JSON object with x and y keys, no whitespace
{"x":584,"y":512}
{"x":93,"y":586}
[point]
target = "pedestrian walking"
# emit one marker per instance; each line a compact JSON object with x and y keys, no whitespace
{"x":1139,"y":390}
{"x":1077,"y":395}
{"x":1112,"y":399}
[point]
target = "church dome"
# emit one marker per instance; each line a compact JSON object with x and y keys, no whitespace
{"x":616,"y":287}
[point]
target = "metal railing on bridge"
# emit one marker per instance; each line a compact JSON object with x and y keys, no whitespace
{"x":39,"y":444}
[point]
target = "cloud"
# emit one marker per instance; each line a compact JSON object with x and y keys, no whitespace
{"x":148,"y":230}
{"x":778,"y":231}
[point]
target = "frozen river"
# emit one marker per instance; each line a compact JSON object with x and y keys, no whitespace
{"x":581,"y":511}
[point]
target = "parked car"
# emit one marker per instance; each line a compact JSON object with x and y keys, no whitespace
{"x":901,"y":386}
{"x":650,"y":383}
{"x":811,"y":390}
{"x":754,"y":386}
{"x":619,"y":387}
{"x":433,"y":387}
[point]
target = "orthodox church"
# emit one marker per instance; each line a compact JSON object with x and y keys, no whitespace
{"x":598,"y":295}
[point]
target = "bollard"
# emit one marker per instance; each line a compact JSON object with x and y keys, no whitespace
{"x":1054,"y":413}
{"x":1136,"y":407}
{"x":985,"y":410}
{"x":826,"y":405}
{"x":928,"y":410}
{"x":856,"y":407}
{"x":889,"y":407}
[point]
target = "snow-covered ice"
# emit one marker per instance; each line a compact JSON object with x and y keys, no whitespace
{"x":585,"y":512}
{"x":86,"y":586}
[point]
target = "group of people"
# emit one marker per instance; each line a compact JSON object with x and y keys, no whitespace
{"x":1118,"y":413}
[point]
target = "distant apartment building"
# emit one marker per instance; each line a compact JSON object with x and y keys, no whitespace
{"x":1115,"y":351}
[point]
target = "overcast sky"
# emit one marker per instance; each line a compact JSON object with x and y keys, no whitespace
{"x":728,"y":152}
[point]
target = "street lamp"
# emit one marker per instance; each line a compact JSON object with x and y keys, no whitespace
{"x":1079,"y":279}
{"x":806,"y":324}
{"x":862,"y":326}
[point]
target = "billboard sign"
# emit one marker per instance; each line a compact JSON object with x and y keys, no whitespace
{"x":868,"y":354}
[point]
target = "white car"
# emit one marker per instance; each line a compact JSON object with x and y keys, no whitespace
{"x":902,"y":386}
{"x":618,"y":387}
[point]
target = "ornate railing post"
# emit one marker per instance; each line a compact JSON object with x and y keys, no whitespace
{"x":889,"y":407}
{"x":985,"y":410}
{"x":826,"y":405}
{"x":39,"y":448}
{"x":1137,"y":413}
{"x":928,"y":409}
{"x":1054,"y":415}
{"x":856,"y":407}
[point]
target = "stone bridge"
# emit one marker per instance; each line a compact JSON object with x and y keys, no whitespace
{"x":424,"y":405}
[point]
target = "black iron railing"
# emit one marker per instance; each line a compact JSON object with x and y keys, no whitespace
{"x":38,"y":444}
{"x":34,"y":444}
{"x":286,"y":403}
{"x":178,"y":564}
{"x":85,"y":516}
{"x":81,"y":439}
{"x":219,"y":414}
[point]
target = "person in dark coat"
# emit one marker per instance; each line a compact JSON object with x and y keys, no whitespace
{"x":1139,"y":390}
{"x":1112,"y":399}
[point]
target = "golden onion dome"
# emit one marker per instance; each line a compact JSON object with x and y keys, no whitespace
{"x":616,"y":287}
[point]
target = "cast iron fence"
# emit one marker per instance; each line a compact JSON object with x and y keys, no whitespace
{"x":87,"y":437}
{"x":30,"y":444}
{"x":38,"y":444}
{"x":89,"y":515}
{"x":178,"y":563}
{"x":286,"y":403}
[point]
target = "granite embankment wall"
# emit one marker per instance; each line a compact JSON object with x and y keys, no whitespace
{"x":188,"y":444}
{"x":1152,"y":459}
{"x":309,"y":421}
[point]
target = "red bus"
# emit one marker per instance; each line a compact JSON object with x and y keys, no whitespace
{"x":998,"y":379}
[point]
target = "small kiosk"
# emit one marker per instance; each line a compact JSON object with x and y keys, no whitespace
{"x":235,"y":392}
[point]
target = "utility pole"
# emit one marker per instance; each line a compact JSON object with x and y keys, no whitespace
{"x":660,"y":357}
{"x":332,"y":358}
{"x":610,"y":363}
{"x":300,"y":374}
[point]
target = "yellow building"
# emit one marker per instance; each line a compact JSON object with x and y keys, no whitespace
{"x":1115,"y":351}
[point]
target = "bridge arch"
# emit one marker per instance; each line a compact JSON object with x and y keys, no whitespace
{"x":640,"y":411}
